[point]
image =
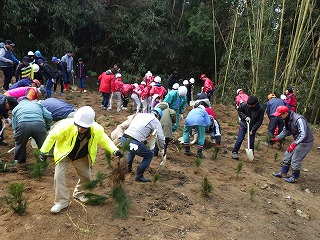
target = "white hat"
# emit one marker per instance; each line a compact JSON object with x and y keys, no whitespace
{"x":118,"y":75}
{"x":157,"y":79}
{"x":182,"y":90}
{"x":191,"y":80}
{"x":283,"y":97}
{"x":155,"y":96}
{"x":135,"y":85}
{"x":239,"y":90}
{"x":152,"y":84}
{"x":185,"y":82}
{"x":175,"y":86}
{"x":143,"y":82}
{"x":84,"y":117}
{"x":149,"y":74}
{"x":30,"y":53}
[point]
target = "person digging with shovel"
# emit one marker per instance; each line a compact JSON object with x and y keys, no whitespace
{"x":251,"y":112}
{"x":297,"y":126}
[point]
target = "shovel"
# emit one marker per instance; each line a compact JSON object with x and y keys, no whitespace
{"x":249,"y":151}
{"x":192,"y":101}
{"x":73,"y":87}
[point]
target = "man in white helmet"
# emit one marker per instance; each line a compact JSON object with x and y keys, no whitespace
{"x":75,"y":141}
{"x":177,"y":101}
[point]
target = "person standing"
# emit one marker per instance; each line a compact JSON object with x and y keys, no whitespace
{"x":241,"y":97}
{"x":24,"y":70}
{"x":291,"y":99}
{"x":50,"y":74}
{"x":75,"y":142}
{"x":271,"y":107}
{"x":116,"y":93}
{"x":6,"y":63}
{"x":297,"y":126}
{"x":136,"y":135}
{"x":68,"y":60}
{"x":250,"y":112}
{"x":199,"y":119}
{"x":60,"y":74}
{"x":106,"y":86}
{"x":208,"y":86}
{"x":173,"y":78}
{"x":6,"y":104}
{"x":29,"y":119}
{"x":81,"y":74}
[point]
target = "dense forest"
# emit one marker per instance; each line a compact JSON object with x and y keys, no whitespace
{"x":261,"y":46}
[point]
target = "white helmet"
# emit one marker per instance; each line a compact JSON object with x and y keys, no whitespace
{"x":157,"y":79}
{"x":148,"y":74}
{"x":84,"y":117}
{"x":283,"y":97}
{"x":35,"y":67}
{"x":135,"y":85}
{"x":239,"y":90}
{"x":191,"y":80}
{"x":175,"y":86}
{"x":152,"y":84}
{"x":30,"y":53}
{"x":118,"y":75}
{"x":143,"y":82}
{"x":185,"y":82}
{"x":182,"y":90}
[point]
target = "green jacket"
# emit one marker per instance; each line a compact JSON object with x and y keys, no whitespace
{"x":176,"y":102}
{"x":64,"y":136}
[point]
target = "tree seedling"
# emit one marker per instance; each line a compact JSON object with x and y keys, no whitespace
{"x":15,"y":199}
{"x":215,"y":152}
{"x":276,"y":156}
{"x":123,"y":202}
{"x":252,"y":192}
{"x":155,"y":178}
{"x":95,"y":199}
{"x":92,"y":184}
{"x":239,"y":168}
{"x":257,"y":145}
{"x":39,"y":169}
{"x":206,"y":187}
{"x":197,"y":162}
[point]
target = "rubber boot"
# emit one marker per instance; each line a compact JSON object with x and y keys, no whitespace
{"x":294,"y":177}
{"x":283,"y":172}
{"x":140,"y":177}
{"x":195,"y":138}
{"x":199,"y":153}
{"x":130,"y":166}
{"x":187,"y":150}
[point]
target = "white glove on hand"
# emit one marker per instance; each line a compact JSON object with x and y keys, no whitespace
{"x":247,"y":119}
{"x":8,"y":120}
{"x":133,"y":147}
{"x":181,"y":117}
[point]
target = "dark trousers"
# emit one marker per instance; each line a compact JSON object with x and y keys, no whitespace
{"x":60,"y":81}
{"x":156,"y":148}
{"x":7,"y":72}
{"x":241,"y":134}
{"x":274,"y":123}
{"x":1,"y":136}
{"x":105,"y":99}
{"x":22,"y":133}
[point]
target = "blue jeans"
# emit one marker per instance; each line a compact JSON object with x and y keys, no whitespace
{"x":241,"y":134}
{"x":142,"y":151}
{"x":49,"y":85}
{"x":105,"y":99}
{"x":82,"y":82}
{"x":274,"y":122}
{"x":67,"y":78}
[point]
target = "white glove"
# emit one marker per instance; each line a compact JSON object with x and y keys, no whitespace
{"x":163,"y":162}
{"x":181,"y":117}
{"x":8,"y":120}
{"x":247,"y":119}
{"x":133,"y":147}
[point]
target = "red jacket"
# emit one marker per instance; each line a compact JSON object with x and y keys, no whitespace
{"x":208,"y":85}
{"x":158,"y":89}
{"x":292,"y":101}
{"x":118,"y":85}
{"x":126,"y":89}
{"x":210,"y":111}
{"x":106,"y":82}
{"x":145,"y":93}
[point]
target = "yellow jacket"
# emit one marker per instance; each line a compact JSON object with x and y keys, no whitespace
{"x":64,"y":136}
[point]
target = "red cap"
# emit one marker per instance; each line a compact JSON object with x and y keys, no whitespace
{"x":280,"y":110}
{"x":203,"y":76}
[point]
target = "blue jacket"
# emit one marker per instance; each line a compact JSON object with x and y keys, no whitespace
{"x":272,"y":105}
{"x":58,"y":108}
{"x":21,"y":83}
{"x":197,"y":117}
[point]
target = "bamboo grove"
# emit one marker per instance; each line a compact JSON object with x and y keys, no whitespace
{"x":261,"y":46}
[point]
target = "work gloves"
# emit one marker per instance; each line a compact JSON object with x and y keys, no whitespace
{"x":42,"y":157}
{"x":273,"y":141}
{"x":8,"y":120}
{"x":118,"y":154}
{"x":247,"y":119}
{"x":291,"y":147}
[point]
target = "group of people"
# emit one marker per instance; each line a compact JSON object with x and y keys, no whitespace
{"x":283,"y":122}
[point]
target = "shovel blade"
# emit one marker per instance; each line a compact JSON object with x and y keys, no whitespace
{"x":249,"y":153}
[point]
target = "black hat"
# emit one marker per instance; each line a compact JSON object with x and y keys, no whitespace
{"x":252,"y":100}
{"x":289,"y":88}
{"x":8,"y":42}
{"x":12,"y":102}
{"x":26,"y":59}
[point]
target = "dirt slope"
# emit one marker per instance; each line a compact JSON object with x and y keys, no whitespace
{"x":173,"y":207}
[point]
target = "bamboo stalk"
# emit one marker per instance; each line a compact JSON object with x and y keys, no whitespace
{"x":214,"y":42}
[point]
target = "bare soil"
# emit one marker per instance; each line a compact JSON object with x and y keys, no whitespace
{"x":249,"y":205}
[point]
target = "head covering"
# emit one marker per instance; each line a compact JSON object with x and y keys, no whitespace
{"x":143,"y":82}
{"x":271,"y":95}
{"x":203,"y":75}
{"x":155,"y":96}
{"x":283,"y":97}
{"x":157,"y":79}
{"x":42,"y":90}
{"x":30,"y":53}
{"x":37,"y":82}
{"x":185,"y":82}
{"x":54,"y":59}
{"x":12,"y":102}
{"x":252,"y":100}
{"x":38,"y":53}
{"x":84,"y":117}
{"x":40,"y":61}
{"x":26,"y":59}
{"x":191,"y":80}
{"x":175,"y":86}
{"x":280,"y":110}
{"x":148,"y":74}
{"x":182,"y":90}
{"x":238,"y":91}
{"x":289,"y":89}
{"x":8,"y":42}
{"x":118,"y":75}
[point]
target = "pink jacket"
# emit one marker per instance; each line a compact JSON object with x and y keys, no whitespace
{"x":160,"y":90}
{"x":208,"y":85}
